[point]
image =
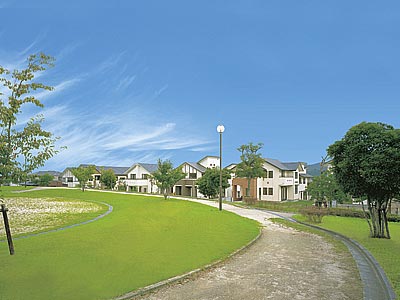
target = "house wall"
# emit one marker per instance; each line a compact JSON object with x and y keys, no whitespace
{"x":210,"y":162}
{"x":187,"y":186}
{"x":188,"y":169}
{"x":139,"y":184}
{"x":69,"y":179}
{"x":239,"y":186}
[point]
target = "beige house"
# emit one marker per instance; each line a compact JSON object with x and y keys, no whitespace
{"x":281,"y":181}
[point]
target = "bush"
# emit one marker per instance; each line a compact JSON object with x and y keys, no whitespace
{"x":250,"y":200}
{"x":314,"y":214}
{"x":343,"y":212}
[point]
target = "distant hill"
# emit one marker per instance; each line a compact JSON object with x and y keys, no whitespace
{"x":315,"y":169}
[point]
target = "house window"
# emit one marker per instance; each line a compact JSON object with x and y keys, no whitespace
{"x":265,"y":191}
{"x":270,"y":174}
{"x":270,"y":191}
{"x":70,"y":179}
{"x":296,"y":175}
{"x":296,"y":189}
{"x":192,"y":175}
{"x":133,"y":176}
{"x":145,"y":176}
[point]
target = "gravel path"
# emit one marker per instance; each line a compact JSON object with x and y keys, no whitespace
{"x":282,"y":264}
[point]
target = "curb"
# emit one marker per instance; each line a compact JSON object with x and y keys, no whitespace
{"x":155,"y":286}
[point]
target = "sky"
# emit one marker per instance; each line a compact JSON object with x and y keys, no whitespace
{"x":138,"y":81}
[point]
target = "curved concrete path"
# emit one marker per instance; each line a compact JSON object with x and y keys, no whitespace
{"x":282,"y":264}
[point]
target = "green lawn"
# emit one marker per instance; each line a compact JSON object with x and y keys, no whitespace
{"x":284,"y":206}
{"x":386,"y":252}
{"x":144,"y":240}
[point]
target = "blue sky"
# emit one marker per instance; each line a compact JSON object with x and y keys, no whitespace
{"x":140,"y":80}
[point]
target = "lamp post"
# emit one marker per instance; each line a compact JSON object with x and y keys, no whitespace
{"x":220,"y":129}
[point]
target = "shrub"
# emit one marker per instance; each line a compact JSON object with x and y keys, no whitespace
{"x":250,"y":200}
{"x":314,"y":214}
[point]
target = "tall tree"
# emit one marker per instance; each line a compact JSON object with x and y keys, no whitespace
{"x":23,"y":147}
{"x":108,"y":178}
{"x":251,"y":165}
{"x":366,"y":162}
{"x":209,"y":183}
{"x":166,"y":176}
{"x":83,"y":174}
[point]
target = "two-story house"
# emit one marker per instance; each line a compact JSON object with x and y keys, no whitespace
{"x":281,"y":181}
{"x":138,"y":178}
{"x":69,"y":180}
{"x":194,"y":170}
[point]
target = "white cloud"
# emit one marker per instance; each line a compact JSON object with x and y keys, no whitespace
{"x":44,"y":94}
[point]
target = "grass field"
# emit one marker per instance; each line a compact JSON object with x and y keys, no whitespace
{"x":144,"y":240}
{"x":386,"y":252}
{"x":284,"y":206}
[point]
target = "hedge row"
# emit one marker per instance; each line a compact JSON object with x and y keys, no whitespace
{"x":315,"y":214}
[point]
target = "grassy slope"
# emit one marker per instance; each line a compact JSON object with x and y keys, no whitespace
{"x":144,"y":240}
{"x":386,"y":252}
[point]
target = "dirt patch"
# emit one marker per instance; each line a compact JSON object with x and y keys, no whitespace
{"x":282,"y":264}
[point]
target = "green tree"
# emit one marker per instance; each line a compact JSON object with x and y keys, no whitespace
{"x":326,"y":188}
{"x":366,"y":162}
{"x":166,"y":176}
{"x":108,"y":178}
{"x":23,"y":148}
{"x":251,"y":165}
{"x":208,"y":184}
{"x":83,"y":174}
{"x":36,"y":146}
{"x":45,"y":179}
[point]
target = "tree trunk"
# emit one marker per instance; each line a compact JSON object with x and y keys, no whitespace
{"x":248,"y":187}
{"x":378,"y":215}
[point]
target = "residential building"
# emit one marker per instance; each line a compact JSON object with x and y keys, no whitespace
{"x":194,"y":170}
{"x":69,"y":180}
{"x":282,"y":181}
{"x":138,"y":178}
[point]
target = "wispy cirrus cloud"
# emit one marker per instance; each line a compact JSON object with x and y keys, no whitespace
{"x":113,"y":120}
{"x":58,"y":88}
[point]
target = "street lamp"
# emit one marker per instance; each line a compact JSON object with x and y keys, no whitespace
{"x":220,"y":129}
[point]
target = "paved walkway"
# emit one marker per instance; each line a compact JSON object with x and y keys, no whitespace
{"x":282,"y":264}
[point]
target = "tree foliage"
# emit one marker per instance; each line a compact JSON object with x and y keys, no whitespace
{"x":208,"y":184}
{"x":83,"y":174}
{"x":366,"y":162}
{"x":45,"y":179}
{"x":166,"y":176}
{"x":251,"y":165}
{"x":108,"y":178}
{"x":326,"y":188}
{"x":23,"y":148}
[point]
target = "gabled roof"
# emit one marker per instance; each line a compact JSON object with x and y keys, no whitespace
{"x":197,"y":166}
{"x":149,"y":167}
{"x":285,"y":166}
{"x":116,"y":170}
{"x":231,"y":166}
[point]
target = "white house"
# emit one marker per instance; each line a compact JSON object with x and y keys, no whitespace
{"x":68,"y":179}
{"x":138,"y":178}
